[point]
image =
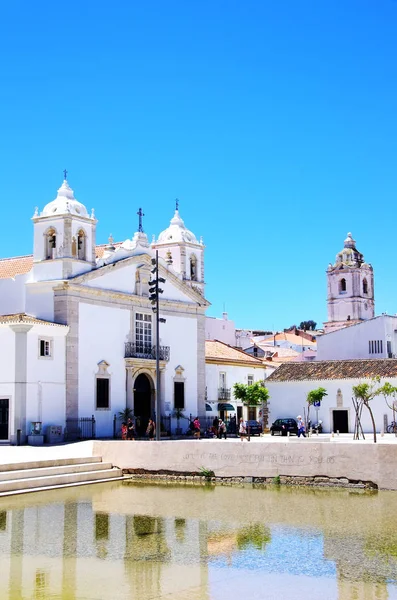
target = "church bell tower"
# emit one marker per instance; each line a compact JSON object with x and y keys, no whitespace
{"x":64,"y":237}
{"x":350,"y":288}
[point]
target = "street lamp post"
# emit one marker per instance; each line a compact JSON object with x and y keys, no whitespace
{"x":154,"y":297}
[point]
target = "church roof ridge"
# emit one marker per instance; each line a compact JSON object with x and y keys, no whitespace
{"x":11,"y":266}
{"x":17,"y":318}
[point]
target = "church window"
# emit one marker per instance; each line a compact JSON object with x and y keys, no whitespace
{"x":51,"y":243}
{"x":45,"y":348}
{"x":193,"y":268}
{"x":179,"y":394}
{"x":81,"y":245}
{"x":376,"y":347}
{"x":102,"y":386}
{"x":102,"y":393}
{"x":342,"y":285}
{"x":143,"y":333}
{"x":365,"y":286}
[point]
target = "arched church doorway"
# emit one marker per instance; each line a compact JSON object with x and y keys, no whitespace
{"x":142,"y":402}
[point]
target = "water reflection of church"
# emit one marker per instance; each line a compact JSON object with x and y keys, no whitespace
{"x":150,"y":542}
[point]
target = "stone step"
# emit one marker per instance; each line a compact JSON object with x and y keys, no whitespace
{"x":29,"y":483}
{"x":55,"y":462}
{"x":50,"y":471}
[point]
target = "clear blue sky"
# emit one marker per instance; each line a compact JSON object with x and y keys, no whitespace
{"x":274,"y":122}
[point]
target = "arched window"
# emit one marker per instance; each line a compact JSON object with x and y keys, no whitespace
{"x":81,"y":244}
{"x":193,"y":268}
{"x":50,"y":243}
{"x":365,"y":286}
{"x":342,"y":285}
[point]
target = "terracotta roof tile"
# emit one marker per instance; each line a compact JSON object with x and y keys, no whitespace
{"x":19,"y":265}
{"x":335,"y":369}
{"x":215,"y":350}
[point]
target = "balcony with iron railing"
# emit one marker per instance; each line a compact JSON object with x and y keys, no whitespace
{"x":224,"y":394}
{"x":133,"y":350}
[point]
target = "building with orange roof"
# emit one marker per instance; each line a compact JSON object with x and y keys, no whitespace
{"x":225,"y":366}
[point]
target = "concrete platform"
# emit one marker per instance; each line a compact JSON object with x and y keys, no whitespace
{"x":36,"y":475}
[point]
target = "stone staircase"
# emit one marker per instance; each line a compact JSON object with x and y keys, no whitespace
{"x":18,"y":478}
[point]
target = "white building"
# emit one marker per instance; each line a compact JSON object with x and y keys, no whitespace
{"x":289,"y":384}
{"x":220,"y":329}
{"x":374,"y":338}
{"x":77,"y":331}
{"x":350,"y":288}
{"x":226,"y":366}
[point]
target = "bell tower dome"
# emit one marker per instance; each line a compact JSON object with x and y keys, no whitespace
{"x":350,"y":288}
{"x":180,"y":249}
{"x":64,"y":237}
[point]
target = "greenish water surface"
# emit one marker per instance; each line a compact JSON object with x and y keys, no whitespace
{"x":135,"y":541}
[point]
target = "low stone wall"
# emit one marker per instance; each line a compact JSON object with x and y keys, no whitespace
{"x":195,"y":478}
{"x":304,"y":462}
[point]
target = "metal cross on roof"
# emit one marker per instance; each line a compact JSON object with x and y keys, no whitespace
{"x":176,"y":204}
{"x":140,"y":215}
{"x":65,"y":174}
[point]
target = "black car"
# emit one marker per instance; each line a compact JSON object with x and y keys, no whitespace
{"x":254,"y":427}
{"x":283,"y":426}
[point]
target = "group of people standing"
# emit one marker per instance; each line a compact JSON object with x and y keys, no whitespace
{"x":128,"y":431}
{"x":219,"y":428}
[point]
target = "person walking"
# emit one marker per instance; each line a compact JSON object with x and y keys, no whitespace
{"x":301,"y":426}
{"x":124,"y":430}
{"x":196,"y":428}
{"x":221,"y":429}
{"x":151,"y":430}
{"x":130,"y":430}
{"x":215,"y":426}
{"x":242,"y":429}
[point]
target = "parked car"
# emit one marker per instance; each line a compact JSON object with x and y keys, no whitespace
{"x":283,"y":426}
{"x":255,"y":428}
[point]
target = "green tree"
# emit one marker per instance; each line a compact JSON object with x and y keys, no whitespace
{"x":389,"y":392}
{"x":125,"y":414}
{"x":313,"y":397}
{"x":256,"y":535}
{"x":251,"y":395}
{"x":308,"y":325}
{"x":363,"y":394}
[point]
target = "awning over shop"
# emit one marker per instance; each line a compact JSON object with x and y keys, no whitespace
{"x":226,"y":407}
{"x":208,"y":407}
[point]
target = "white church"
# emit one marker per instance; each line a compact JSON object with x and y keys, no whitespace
{"x":77,"y":330}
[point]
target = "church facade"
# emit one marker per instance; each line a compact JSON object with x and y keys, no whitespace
{"x":77,"y":329}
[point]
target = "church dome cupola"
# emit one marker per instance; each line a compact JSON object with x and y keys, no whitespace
{"x":181,"y":250}
{"x":176,"y":232}
{"x":64,"y":237}
{"x":64,"y":203}
{"x":349,"y":256}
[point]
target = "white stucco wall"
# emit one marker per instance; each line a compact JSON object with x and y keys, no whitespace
{"x":288,"y":399}
{"x":45,"y":392}
{"x":220,"y":329}
{"x":353,"y":341}
{"x":40,"y":301}
{"x":119,"y":279}
{"x":7,"y":370}
{"x":180,"y":334}
{"x":102,"y":334}
{"x":12,"y":295}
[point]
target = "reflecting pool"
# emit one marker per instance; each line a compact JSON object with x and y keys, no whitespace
{"x":198,"y":542}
